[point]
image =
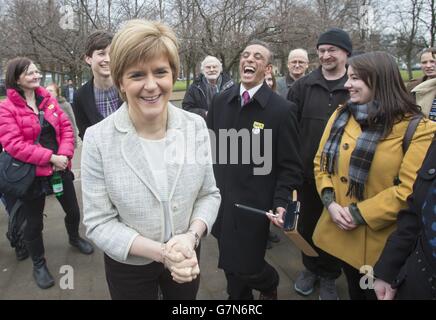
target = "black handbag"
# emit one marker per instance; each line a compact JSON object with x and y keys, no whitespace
{"x":17,"y":176}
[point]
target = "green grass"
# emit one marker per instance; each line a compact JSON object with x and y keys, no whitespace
{"x":416,"y":74}
{"x":2,"y":97}
{"x":180,"y":85}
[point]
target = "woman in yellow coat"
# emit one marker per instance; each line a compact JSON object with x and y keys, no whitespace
{"x":362,"y":176}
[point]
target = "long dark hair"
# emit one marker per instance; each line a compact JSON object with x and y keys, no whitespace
{"x":380,"y":73}
{"x":14,"y":70}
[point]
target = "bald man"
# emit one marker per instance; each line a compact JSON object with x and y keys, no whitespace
{"x":298,"y":62}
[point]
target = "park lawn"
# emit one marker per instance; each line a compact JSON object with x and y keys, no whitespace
{"x":180,"y":85}
{"x":416,"y":74}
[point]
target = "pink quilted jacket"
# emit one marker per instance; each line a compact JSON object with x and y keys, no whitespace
{"x":19,"y":128}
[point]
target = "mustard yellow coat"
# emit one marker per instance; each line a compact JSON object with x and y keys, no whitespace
{"x":383,"y":199}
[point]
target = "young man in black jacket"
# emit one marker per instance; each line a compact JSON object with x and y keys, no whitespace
{"x":98,"y":98}
{"x":259,"y":168}
{"x":210,"y":82}
{"x":317,"y":95}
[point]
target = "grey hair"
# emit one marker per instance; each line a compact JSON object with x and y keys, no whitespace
{"x":211,"y":59}
{"x":299,"y":51}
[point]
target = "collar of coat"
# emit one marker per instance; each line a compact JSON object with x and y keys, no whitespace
{"x":426,"y":86}
{"x":354,"y":129}
{"x":123,"y":123}
{"x":289,"y":80}
{"x":316,"y":78}
{"x":261,"y":96}
{"x":226,"y":82}
{"x":19,"y":101}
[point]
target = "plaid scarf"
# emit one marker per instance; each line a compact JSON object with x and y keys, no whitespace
{"x":362,"y":155}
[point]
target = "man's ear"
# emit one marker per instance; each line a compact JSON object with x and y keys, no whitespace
{"x":269,"y":68}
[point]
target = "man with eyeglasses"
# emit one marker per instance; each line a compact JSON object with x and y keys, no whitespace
{"x":298,"y":62}
{"x":317,"y":96}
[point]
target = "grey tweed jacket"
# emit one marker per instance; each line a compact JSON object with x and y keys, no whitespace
{"x":120,"y":200}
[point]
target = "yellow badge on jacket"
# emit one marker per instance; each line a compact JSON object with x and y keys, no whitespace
{"x":50,"y":107}
{"x":257,"y":126}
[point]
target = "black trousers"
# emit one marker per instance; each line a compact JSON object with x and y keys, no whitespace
{"x":239,"y":287}
{"x":130,"y":282}
{"x":353,"y":277}
{"x":324,"y":265}
{"x":34,"y":209}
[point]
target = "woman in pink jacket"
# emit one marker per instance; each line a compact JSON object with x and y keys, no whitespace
{"x":19,"y":128}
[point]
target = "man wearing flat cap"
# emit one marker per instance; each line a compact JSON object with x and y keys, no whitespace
{"x":317,"y":95}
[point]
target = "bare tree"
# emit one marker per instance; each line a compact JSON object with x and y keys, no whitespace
{"x":290,"y":18}
{"x":213,"y":27}
{"x":332,"y":13}
{"x":429,"y":20}
{"x":227,"y":26}
{"x":409,"y":38}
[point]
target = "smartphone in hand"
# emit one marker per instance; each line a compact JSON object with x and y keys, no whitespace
{"x":291,"y":215}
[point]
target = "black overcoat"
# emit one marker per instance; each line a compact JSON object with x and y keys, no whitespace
{"x":242,"y":235}
{"x":316,"y":102}
{"x":407,"y":261}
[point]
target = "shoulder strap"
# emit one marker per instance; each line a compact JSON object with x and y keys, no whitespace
{"x":41,"y":120}
{"x":411,"y":128}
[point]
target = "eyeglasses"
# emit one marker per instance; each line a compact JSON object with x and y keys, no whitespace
{"x":34,"y":72}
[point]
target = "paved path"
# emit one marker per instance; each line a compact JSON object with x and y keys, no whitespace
{"x":177,"y":95}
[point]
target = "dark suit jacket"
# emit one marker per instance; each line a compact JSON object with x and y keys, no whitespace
{"x":242,"y":235}
{"x":66,"y":92}
{"x":85,"y":109}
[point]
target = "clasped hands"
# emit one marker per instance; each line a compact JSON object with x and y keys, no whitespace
{"x":180,"y":258}
{"x":341,"y":216}
{"x":59,"y":162}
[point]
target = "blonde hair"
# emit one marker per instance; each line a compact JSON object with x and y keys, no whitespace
{"x":141,"y":40}
{"x":56,"y":89}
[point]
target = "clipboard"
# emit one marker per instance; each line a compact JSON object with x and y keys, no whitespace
{"x":290,"y":227}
